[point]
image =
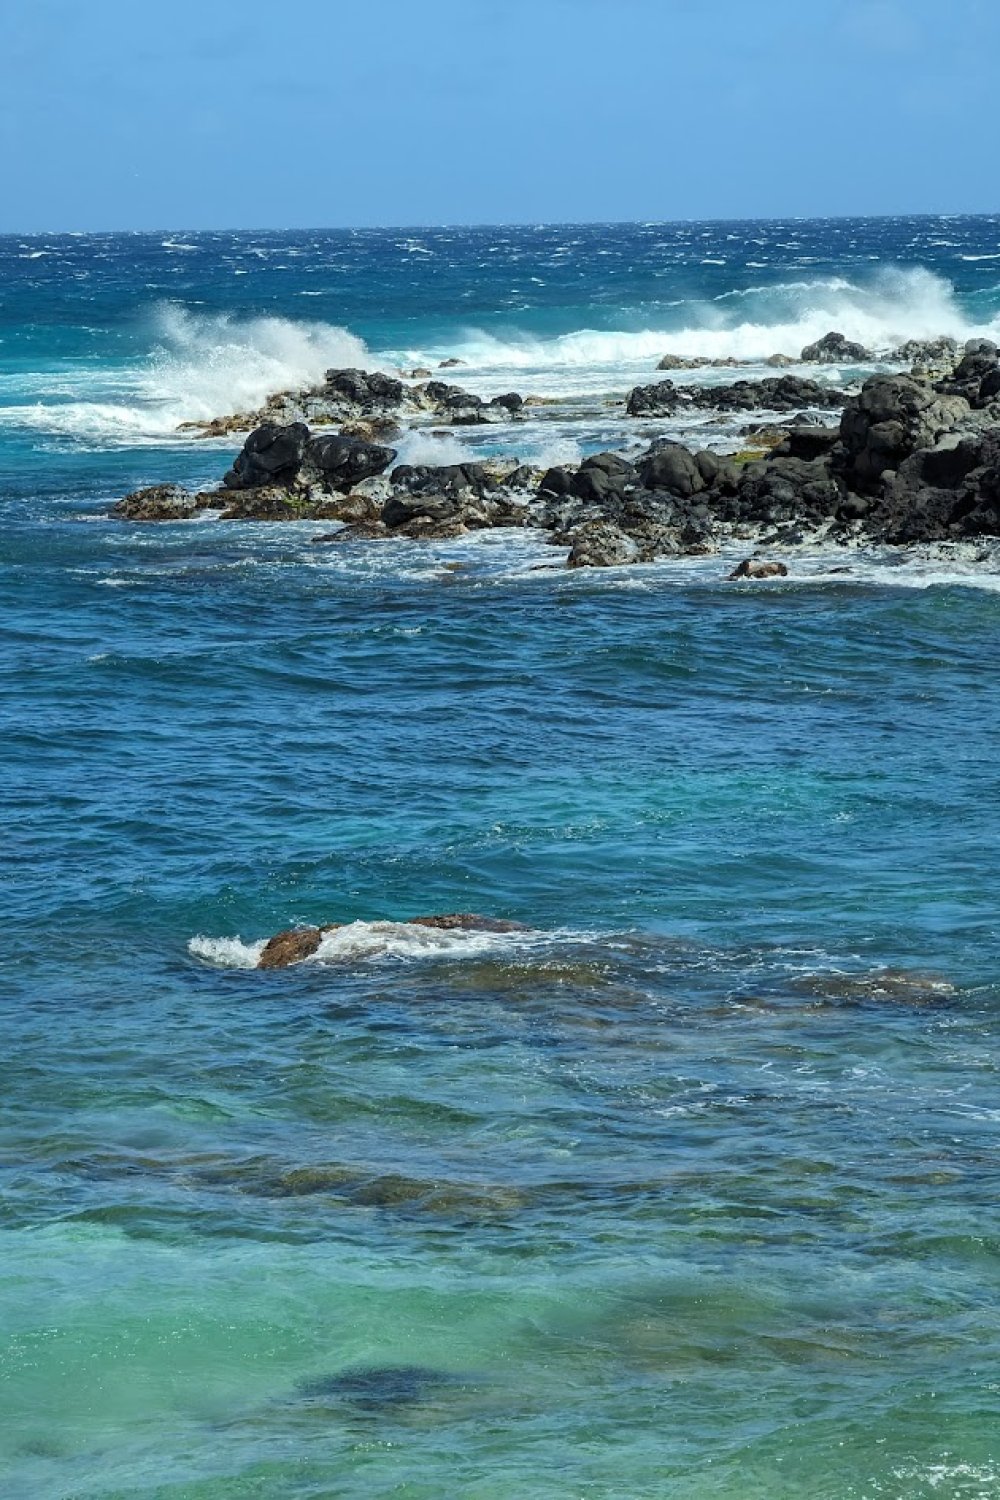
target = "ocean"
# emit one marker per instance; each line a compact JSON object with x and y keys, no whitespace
{"x":687,"y":1191}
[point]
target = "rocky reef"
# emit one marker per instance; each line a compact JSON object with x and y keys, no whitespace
{"x":913,"y":459}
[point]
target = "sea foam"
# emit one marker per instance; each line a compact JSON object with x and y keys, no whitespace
{"x":880,"y":311}
{"x":198,"y":366}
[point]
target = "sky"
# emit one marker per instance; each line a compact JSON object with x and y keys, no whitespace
{"x":201,"y":114}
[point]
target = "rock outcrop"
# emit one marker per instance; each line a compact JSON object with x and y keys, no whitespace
{"x":912,"y":460}
{"x":382,"y":402}
{"x":835,"y":349}
{"x":782,"y":393}
{"x":892,"y":417}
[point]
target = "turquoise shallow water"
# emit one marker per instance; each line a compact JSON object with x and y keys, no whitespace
{"x":689,"y":1191}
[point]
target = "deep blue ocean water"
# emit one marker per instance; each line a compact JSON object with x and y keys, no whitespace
{"x":689,"y":1191}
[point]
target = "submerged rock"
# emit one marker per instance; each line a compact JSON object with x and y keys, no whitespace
{"x":377,"y":1388}
{"x":880,"y":986}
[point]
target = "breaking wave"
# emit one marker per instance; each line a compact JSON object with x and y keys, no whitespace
{"x":199,"y":366}
{"x":893,"y":305}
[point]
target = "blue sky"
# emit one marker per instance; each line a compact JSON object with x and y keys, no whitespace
{"x":241,"y":113}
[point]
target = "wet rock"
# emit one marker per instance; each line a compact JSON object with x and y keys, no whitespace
{"x":450,"y":364}
{"x":158,"y":502}
{"x":342,"y":462}
{"x":780,"y":361}
{"x":758,"y":567}
{"x":602,"y":478}
{"x":357,"y":531}
{"x":782,"y":393}
{"x":681,"y":362}
{"x":657,"y":400}
{"x":369,"y":390}
{"x":932,"y":354}
{"x":892,"y":417}
{"x":808,"y":442}
{"x":672,"y":467}
{"x":602,"y":544}
{"x":291,"y":947}
{"x":268,"y":503}
{"x":835,"y":349}
{"x":272,"y":454}
{"x":943,"y":493}
{"x":880,"y":986}
{"x":976,"y":377}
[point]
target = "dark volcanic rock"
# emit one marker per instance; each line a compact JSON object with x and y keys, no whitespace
{"x":296,"y":944}
{"x":947,"y":492}
{"x":602,"y":544}
{"x":757,"y":567}
{"x":976,"y":376}
{"x":367,"y":389}
{"x":672,"y":467}
{"x":342,"y":462}
{"x":602,"y":478}
{"x":467,"y":921}
{"x":892,"y":417}
{"x":443,"y":493}
{"x":271,"y":455}
{"x":835,"y":349}
{"x":932,"y":353}
{"x":776,"y":393}
{"x":267,"y":502}
{"x":808,"y":442}
{"x":657,"y":400}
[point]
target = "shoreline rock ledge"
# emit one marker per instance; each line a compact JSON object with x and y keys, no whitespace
{"x":912,"y":460}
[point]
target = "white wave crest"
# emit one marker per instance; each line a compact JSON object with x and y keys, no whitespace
{"x":424,"y":448}
{"x":227,"y":953}
{"x":402,"y":940}
{"x":893,"y":305}
{"x":200,"y":366}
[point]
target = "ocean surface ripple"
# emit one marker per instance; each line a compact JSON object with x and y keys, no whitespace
{"x":688,"y":1190}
